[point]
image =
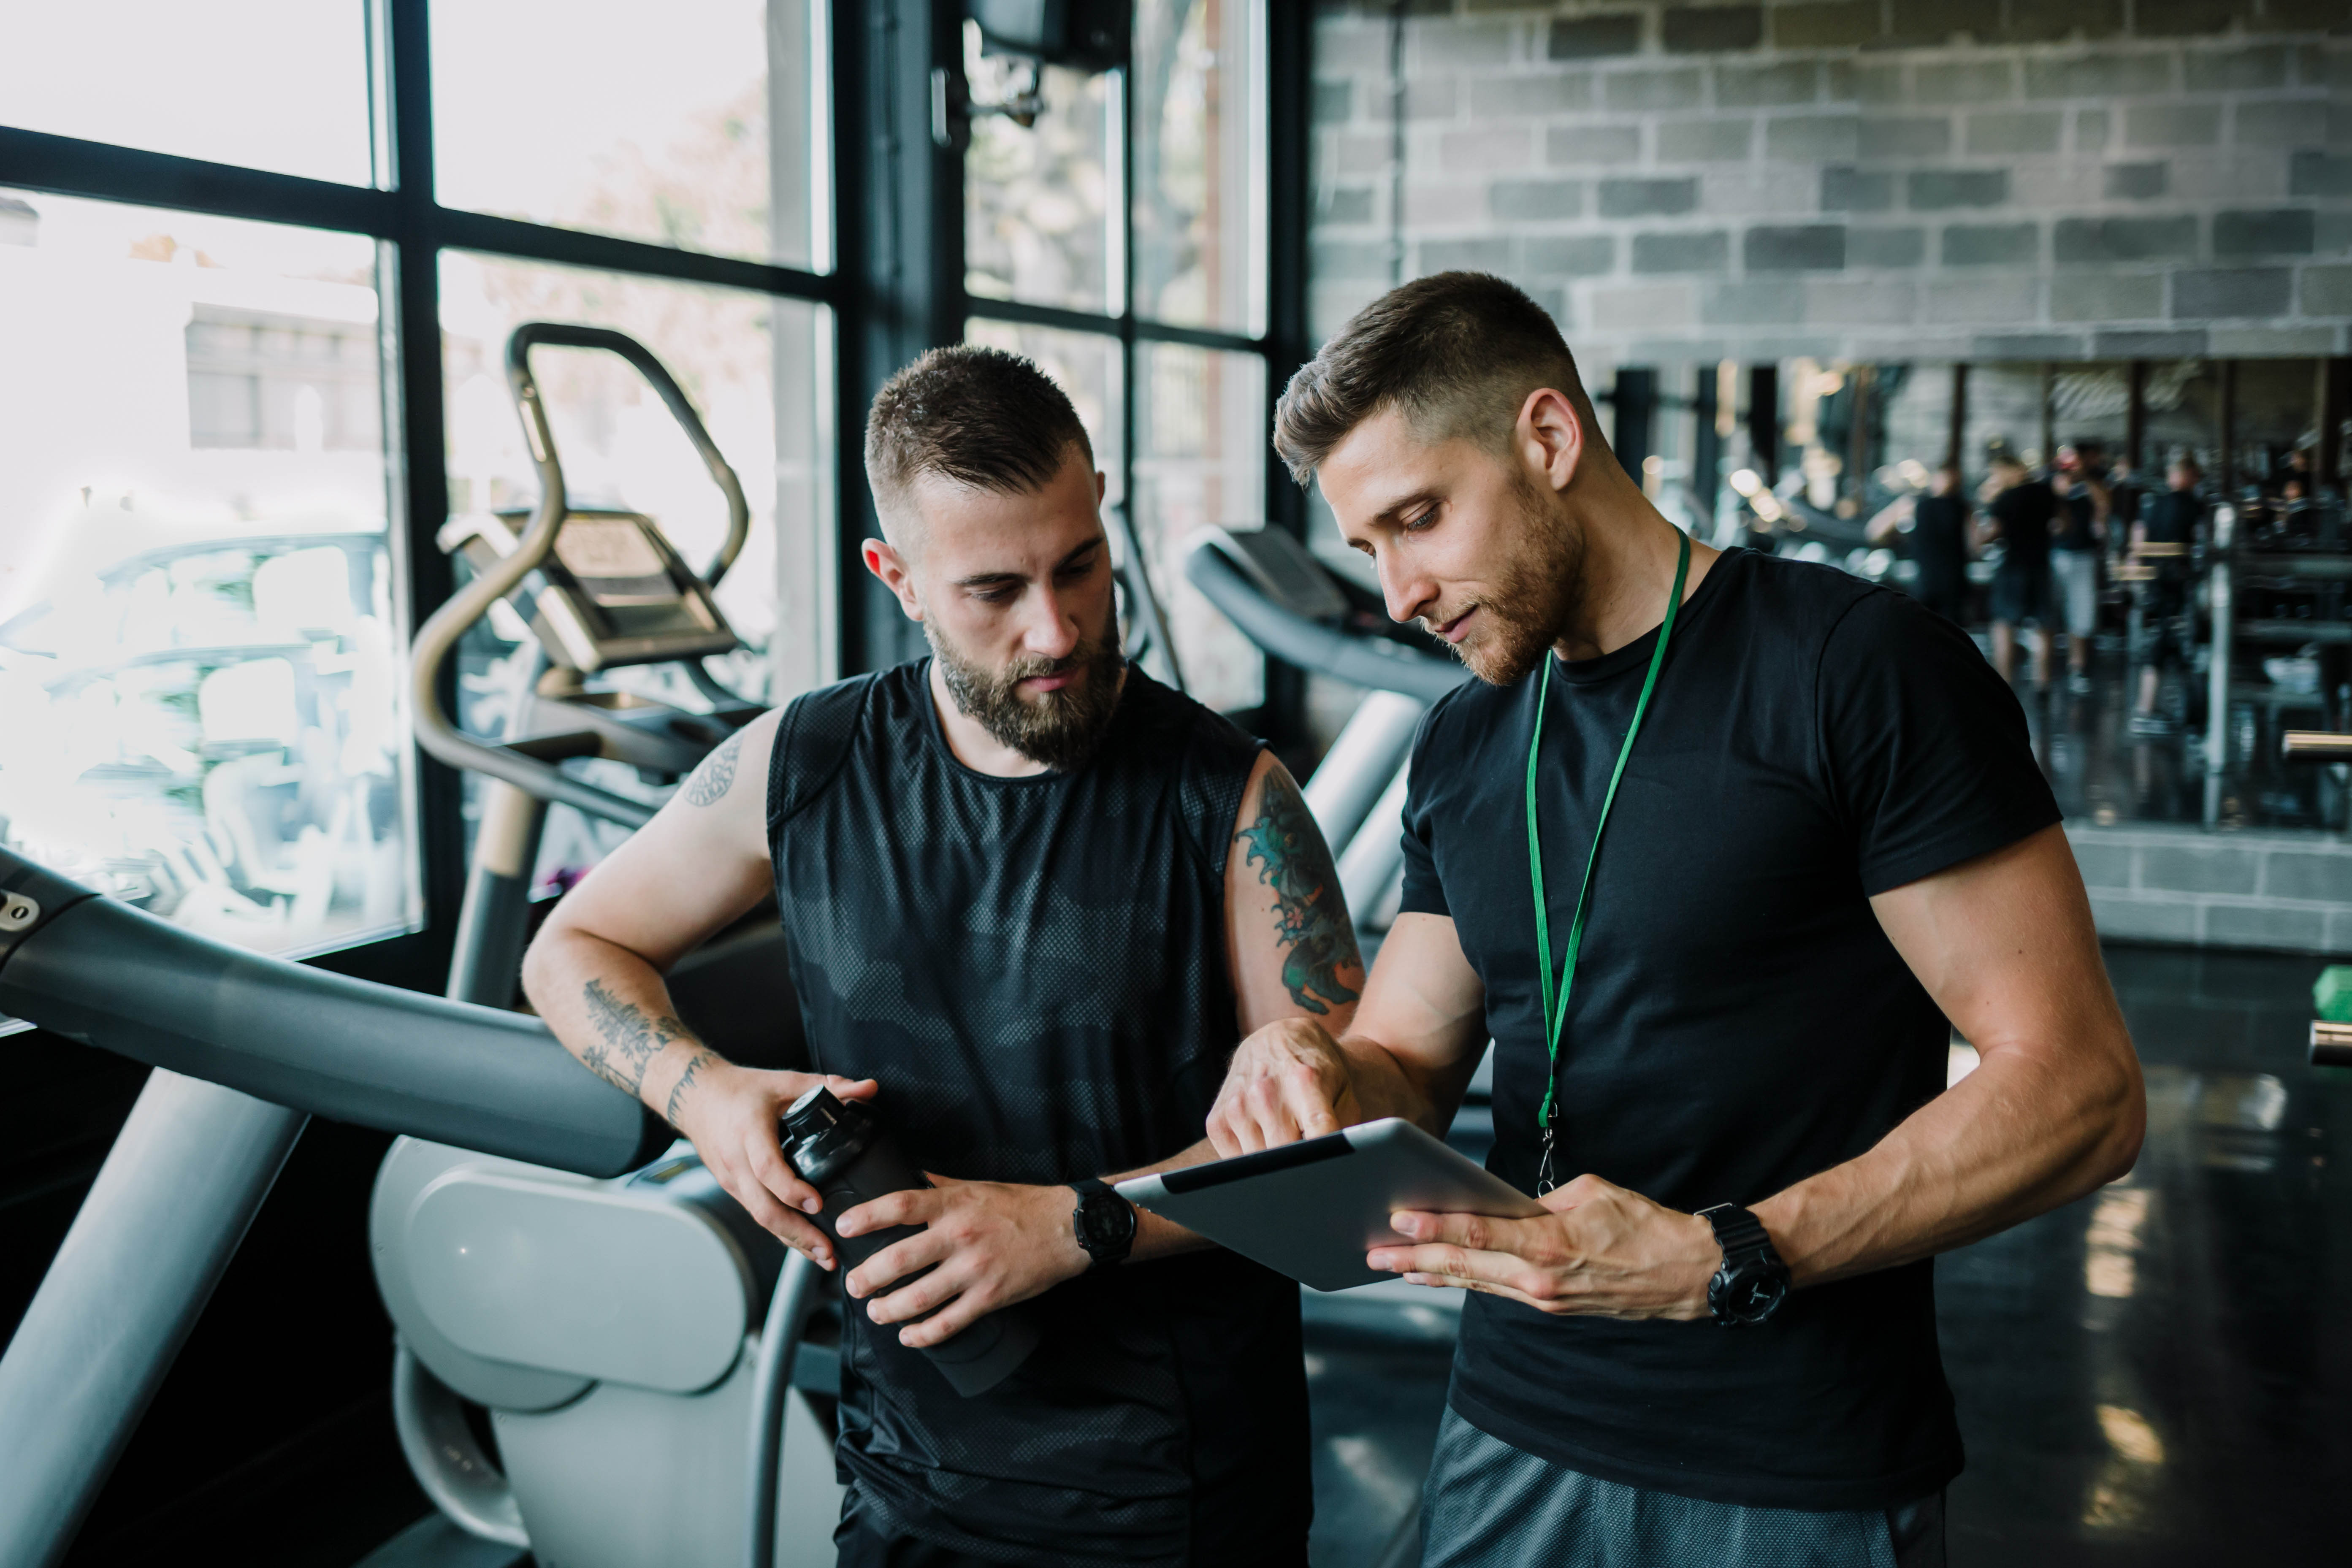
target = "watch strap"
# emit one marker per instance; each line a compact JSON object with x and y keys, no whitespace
{"x":1739,"y":1233}
{"x":1105,"y":1252}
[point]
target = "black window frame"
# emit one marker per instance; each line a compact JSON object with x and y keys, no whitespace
{"x":896,"y":288}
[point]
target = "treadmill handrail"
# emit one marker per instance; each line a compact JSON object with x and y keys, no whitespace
{"x":101,"y":972}
{"x":1370,"y":662}
{"x":435,"y":731}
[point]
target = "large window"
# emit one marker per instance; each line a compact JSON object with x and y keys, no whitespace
{"x":1119,"y":240}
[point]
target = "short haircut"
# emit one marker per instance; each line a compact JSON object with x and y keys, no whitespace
{"x":1455,"y":353}
{"x":978,"y":417}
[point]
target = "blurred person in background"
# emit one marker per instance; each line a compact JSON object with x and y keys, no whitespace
{"x":1936,"y":526}
{"x":2019,"y":515}
{"x":2076,"y":530}
{"x":2171,"y":517}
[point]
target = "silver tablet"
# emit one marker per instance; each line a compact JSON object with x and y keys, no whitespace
{"x":1312,"y":1209}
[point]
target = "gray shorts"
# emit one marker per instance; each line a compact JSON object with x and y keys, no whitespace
{"x":1489,"y":1505}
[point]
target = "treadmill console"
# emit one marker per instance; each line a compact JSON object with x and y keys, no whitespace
{"x":611,"y":593}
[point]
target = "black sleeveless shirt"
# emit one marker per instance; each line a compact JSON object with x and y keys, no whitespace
{"x":1034,"y":969}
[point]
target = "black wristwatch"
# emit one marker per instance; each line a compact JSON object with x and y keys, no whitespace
{"x":1753,"y":1281}
{"x":1104,"y":1223}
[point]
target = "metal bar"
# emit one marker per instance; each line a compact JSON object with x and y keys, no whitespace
{"x":1764,"y":421}
{"x":2331,"y":1044}
{"x":462,"y":230}
{"x":2136,"y":414}
{"x":771,"y":1385}
{"x":67,"y":165}
{"x":2316,"y":745}
{"x":1956,"y":441}
{"x":2226,"y":468}
{"x":177,"y":1191}
{"x":2221,"y":598}
{"x":1288,"y":41}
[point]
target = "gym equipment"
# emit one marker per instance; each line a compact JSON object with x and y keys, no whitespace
{"x":843,"y":1152}
{"x":612,"y":1329}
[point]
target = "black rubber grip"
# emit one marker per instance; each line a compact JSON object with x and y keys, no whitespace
{"x":1241,"y":1167}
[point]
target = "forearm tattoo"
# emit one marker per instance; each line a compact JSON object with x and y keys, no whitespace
{"x":1318,"y":942}
{"x":709,"y":783}
{"x":694,"y":1065}
{"x":627,"y":1040}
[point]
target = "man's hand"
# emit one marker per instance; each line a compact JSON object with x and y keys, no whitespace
{"x":1289,"y":1080}
{"x":993,"y":1244}
{"x":1601,"y":1252}
{"x":733,"y":1114}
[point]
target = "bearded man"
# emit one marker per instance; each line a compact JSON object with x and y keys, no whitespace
{"x":1033,"y":898}
{"x":1719,"y":849}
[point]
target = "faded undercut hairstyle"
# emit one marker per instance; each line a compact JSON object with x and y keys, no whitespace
{"x":1455,"y":353}
{"x":978,"y":417}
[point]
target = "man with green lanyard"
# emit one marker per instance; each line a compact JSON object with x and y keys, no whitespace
{"x":1718,"y":849}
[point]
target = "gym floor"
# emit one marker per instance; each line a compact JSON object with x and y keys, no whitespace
{"x":2154,"y":1375}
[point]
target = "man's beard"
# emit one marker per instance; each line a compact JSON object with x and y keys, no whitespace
{"x":1535,"y":588}
{"x":1060,"y":729}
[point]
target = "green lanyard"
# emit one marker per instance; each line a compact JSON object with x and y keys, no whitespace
{"x":1556,"y":991}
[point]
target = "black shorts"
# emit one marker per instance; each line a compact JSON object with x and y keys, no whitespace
{"x":2022,"y":593}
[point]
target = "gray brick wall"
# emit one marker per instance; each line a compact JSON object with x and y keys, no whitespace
{"x":1688,"y":181}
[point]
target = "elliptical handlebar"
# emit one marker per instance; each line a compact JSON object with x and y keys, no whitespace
{"x":101,"y":972}
{"x":434,"y":731}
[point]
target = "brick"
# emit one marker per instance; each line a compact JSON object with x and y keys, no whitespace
{"x":1647,"y":198}
{"x":1756,"y":87}
{"x":1710,"y":251}
{"x":1488,"y":149}
{"x":1363,"y":154}
{"x":2145,"y":920}
{"x":1674,"y":86}
{"x":1334,"y":102}
{"x":2013,"y":130}
{"x":1754,"y":303}
{"x":1570,"y":146}
{"x":2099,"y":76}
{"x":2281,"y":124}
{"x":1964,"y":81}
{"x":1845,"y":190}
{"x":1878,"y":302}
{"x":2149,"y":345}
{"x":1341,"y":47}
{"x":1452,"y":204}
{"x":1908,"y":138}
{"x":1449,"y":41}
{"x":2172,"y":124}
{"x":1574,"y":256}
{"x":1703,"y":140}
{"x":2339,"y":69}
{"x":2274,"y":926}
{"x":1648,"y":307}
{"x":1886,"y":247}
{"x":1811,"y":137}
{"x":1939,"y":190}
{"x":2041,"y":21}
{"x":2333,"y":233}
{"x":1934,"y":21}
{"x":2310,"y":65}
{"x":2180,"y":18}
{"x":1336,"y":258}
{"x":2235,"y":71}
{"x":1350,"y":204}
{"x":1801,"y":248}
{"x":2103,"y":865}
{"x":1543,"y":92}
{"x":2238,"y":291}
{"x":2137,"y":181}
{"x":1996,"y":346}
{"x":2106,"y":296}
{"x":1991,"y":245}
{"x":2286,"y":232}
{"x":1595,"y":37}
{"x":2327,"y":290}
{"x":1462,"y":255}
{"x":2317,"y":875}
{"x":2091,"y":130}
{"x":1712,"y":29}
{"x":1848,"y":80}
{"x":2272,"y":342}
{"x":2302,"y":16}
{"x":1837,"y":24}
{"x":1989,"y":299}
{"x":1770,"y":193}
{"x":2102,"y":241}
{"x":1532,"y":201}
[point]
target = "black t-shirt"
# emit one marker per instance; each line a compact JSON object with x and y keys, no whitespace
{"x":2072,"y":522}
{"x":1739,"y":1020}
{"x":1939,"y":543}
{"x":2173,"y":518}
{"x":2024,"y":513}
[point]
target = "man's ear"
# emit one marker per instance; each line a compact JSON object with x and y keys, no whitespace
{"x":888,"y":564}
{"x":1551,"y":436}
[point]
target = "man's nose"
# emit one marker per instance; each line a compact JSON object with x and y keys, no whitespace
{"x":1407,"y":593}
{"x":1052,"y":631}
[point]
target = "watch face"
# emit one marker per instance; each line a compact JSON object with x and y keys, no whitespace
{"x":1109,"y":1219}
{"x":1750,"y":1296}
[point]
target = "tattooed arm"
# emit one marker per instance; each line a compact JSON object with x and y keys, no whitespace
{"x":1289,"y":942}
{"x":594,"y":973}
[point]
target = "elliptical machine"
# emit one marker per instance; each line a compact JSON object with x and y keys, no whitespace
{"x":611,"y":1329}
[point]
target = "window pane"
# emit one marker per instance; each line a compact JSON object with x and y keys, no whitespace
{"x":749,"y":362}
{"x":270,"y":84}
{"x":1086,"y":366}
{"x":1037,"y":225}
{"x":690,"y":125}
{"x":1201,"y":433}
{"x":200,"y":652}
{"x":1199,"y":188}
